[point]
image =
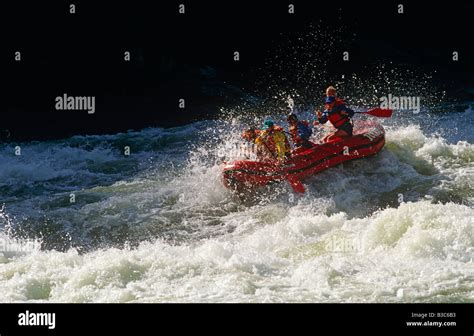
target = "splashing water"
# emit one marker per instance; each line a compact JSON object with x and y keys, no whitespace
{"x":159,"y":226}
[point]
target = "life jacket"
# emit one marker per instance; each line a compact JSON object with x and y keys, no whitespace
{"x":300,"y":132}
{"x":335,"y":116}
{"x":276,"y":142}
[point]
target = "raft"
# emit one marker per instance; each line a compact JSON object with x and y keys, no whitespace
{"x":368,"y":139}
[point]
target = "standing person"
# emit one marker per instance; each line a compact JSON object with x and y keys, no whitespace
{"x":337,"y":113}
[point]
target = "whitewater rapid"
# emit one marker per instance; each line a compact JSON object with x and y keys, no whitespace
{"x":159,"y":226}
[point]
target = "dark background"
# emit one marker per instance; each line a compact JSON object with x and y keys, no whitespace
{"x":83,"y":54}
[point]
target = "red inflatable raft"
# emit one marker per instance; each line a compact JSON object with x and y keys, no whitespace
{"x":368,"y":139}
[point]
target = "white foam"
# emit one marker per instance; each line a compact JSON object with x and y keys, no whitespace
{"x":427,"y":249}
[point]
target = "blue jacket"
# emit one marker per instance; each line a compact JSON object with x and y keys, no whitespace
{"x":301,"y":132}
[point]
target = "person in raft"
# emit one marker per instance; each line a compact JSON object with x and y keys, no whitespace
{"x":300,"y":132}
{"x":337,"y":113}
{"x":259,"y":150}
{"x":273,"y":139}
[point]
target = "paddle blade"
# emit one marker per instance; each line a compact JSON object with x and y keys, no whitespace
{"x":379,"y":112}
{"x":296,"y":184}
